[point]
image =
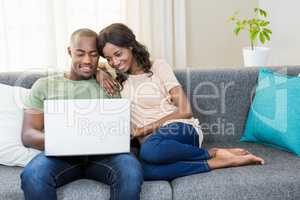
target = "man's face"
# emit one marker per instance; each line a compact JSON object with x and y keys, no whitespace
{"x":84,"y":56}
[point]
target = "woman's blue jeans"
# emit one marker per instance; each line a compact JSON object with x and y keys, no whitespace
{"x":173,"y":151}
{"x":43,"y":175}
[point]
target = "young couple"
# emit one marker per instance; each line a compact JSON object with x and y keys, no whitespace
{"x":162,"y":121}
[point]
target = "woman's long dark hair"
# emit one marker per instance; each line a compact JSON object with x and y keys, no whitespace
{"x":120,"y":35}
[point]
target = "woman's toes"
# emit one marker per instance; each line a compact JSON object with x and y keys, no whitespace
{"x":254,"y":159}
{"x":238,"y":151}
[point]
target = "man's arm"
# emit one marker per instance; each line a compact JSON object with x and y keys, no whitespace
{"x":32,"y":130}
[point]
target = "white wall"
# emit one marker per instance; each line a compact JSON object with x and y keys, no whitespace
{"x":285,"y":24}
{"x":210,"y":40}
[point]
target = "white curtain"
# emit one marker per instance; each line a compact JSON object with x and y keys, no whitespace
{"x":35,"y":33}
{"x":161,"y":26}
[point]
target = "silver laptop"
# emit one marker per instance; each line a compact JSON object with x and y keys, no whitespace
{"x":86,"y":127}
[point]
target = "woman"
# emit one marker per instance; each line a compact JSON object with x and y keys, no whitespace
{"x":162,"y":119}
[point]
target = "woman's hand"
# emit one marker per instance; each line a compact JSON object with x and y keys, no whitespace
{"x":106,"y":81}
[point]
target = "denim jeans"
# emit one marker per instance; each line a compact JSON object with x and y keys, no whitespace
{"x":173,"y":151}
{"x":43,"y":175}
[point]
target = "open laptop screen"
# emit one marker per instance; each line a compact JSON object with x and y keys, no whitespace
{"x":86,"y":126}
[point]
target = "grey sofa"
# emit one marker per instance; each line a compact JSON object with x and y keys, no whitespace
{"x":220,"y":98}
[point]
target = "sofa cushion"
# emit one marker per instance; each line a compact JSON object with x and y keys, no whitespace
{"x":276,"y":180}
{"x":81,"y":189}
{"x":10,"y":188}
{"x":274,"y":115}
{"x":12,"y":151}
{"x":10,"y":185}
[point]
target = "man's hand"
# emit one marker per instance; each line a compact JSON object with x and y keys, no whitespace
{"x":107,"y":82}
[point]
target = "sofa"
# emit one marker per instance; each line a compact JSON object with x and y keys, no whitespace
{"x":220,"y":98}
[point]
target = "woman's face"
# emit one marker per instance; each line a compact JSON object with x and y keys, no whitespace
{"x":120,"y":58}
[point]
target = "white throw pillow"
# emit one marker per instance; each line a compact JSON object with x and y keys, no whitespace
{"x":12,"y":151}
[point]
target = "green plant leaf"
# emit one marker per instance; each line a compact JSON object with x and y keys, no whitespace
{"x":267,"y":36}
{"x":253,"y":35}
{"x":253,"y":21}
{"x":264,"y":23}
{"x":263,"y":13}
{"x":262,"y":38}
{"x":255,"y":26}
{"x":237,"y":30}
{"x":231,"y":18}
{"x":234,"y":16}
{"x":267,"y":30}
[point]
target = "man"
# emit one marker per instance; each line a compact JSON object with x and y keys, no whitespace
{"x":43,"y":175}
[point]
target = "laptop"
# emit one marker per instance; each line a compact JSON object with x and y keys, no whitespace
{"x":77,"y":127}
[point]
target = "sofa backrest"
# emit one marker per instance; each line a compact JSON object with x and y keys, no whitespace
{"x":22,"y":79}
{"x":220,"y":97}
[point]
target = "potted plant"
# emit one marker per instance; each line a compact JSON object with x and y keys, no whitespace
{"x":258,"y":31}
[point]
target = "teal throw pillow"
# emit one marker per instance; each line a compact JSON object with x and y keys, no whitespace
{"x":274,"y":115}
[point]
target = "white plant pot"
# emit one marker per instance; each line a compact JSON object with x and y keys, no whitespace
{"x":256,"y":57}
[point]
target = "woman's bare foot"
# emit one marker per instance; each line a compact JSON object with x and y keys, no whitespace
{"x":235,"y":151}
{"x":212,"y":152}
{"x":224,"y":158}
{"x":249,"y":159}
{"x":238,"y":151}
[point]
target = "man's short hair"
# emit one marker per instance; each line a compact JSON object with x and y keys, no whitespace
{"x":83,"y":32}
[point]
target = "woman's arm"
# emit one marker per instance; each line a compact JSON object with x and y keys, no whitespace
{"x":184,"y":111}
{"x":106,"y":81}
